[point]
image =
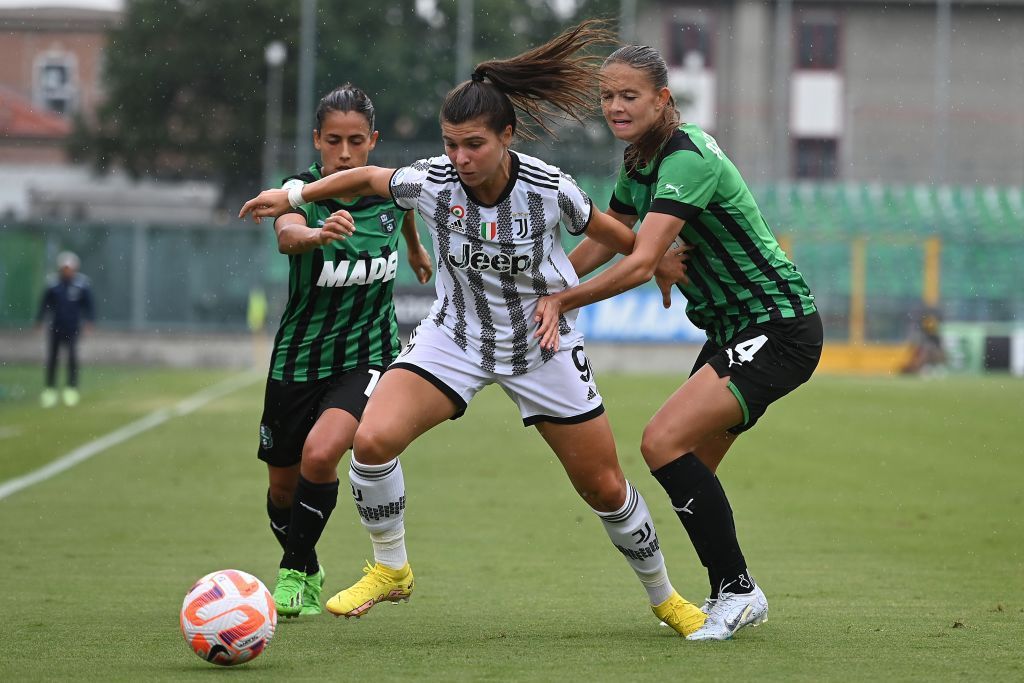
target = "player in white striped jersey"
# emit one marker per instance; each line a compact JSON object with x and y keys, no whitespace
{"x":497,"y":258}
{"x":495,"y":217}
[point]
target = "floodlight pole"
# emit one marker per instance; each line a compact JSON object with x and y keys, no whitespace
{"x":627,"y":21}
{"x":464,"y":41}
{"x":943,"y":38}
{"x":307,"y":74}
{"x":275,"y":55}
{"x":781,"y":71}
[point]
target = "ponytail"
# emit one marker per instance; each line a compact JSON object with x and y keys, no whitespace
{"x":546,"y":83}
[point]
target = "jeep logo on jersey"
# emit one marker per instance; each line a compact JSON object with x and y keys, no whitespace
{"x":362,"y":272}
{"x":500,"y":263}
{"x":387,"y":222}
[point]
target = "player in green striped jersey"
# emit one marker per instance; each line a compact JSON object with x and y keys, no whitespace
{"x":337,"y":334}
{"x":764,"y":333}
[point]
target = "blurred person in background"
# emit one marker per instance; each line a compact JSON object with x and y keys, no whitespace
{"x":926,"y":352}
{"x":764,"y":332}
{"x":337,"y":334}
{"x":496,"y":216}
{"x":67,"y":302}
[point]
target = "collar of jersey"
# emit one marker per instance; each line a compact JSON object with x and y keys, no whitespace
{"x":513,"y":176}
{"x":679,"y":140}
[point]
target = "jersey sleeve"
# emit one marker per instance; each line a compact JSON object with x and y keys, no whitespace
{"x":686,"y":183}
{"x":86,"y":303}
{"x":621,"y":201}
{"x":574,"y":205}
{"x":46,"y":304}
{"x":406,"y":184}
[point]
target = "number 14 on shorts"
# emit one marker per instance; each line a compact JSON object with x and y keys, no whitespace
{"x":744,"y":351}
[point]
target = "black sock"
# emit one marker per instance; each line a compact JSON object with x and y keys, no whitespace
{"x":732,"y":519}
{"x":279,"y":520}
{"x":744,"y":583}
{"x":701,"y":505}
{"x":311,"y":509}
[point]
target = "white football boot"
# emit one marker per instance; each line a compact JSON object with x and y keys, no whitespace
{"x":709,"y":604}
{"x":731,"y":612}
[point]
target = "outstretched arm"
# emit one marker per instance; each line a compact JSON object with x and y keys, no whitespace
{"x":592,"y":253}
{"x":364,"y":181}
{"x":652,"y":241}
{"x":610,"y":233}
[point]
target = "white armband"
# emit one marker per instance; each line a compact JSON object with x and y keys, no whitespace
{"x":295,"y":196}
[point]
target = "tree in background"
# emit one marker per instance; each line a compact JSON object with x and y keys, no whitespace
{"x":186,"y":79}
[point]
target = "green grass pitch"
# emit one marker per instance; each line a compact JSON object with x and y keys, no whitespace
{"x":881,"y":516}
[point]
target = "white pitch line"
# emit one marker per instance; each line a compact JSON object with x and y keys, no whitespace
{"x":154,"y":419}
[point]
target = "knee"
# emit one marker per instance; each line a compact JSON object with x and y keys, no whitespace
{"x":281,"y":495}
{"x":320,"y":461}
{"x":658,"y":447}
{"x":606,"y":493}
{"x":652,"y":444}
{"x":374,"y":446}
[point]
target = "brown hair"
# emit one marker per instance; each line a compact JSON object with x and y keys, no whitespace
{"x":540,"y":83}
{"x":345,"y":98}
{"x":648,"y":61}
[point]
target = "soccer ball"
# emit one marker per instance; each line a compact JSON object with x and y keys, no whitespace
{"x":228,"y":617}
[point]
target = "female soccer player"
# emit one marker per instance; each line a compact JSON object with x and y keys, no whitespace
{"x":764,"y":334}
{"x":494,"y":215}
{"x":337,"y":334}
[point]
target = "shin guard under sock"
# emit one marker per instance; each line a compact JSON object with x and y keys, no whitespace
{"x":702,"y":507}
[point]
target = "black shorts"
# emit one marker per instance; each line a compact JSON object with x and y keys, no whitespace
{"x":290,"y":409}
{"x":764,"y":362}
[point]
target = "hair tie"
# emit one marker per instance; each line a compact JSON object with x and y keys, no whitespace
{"x":477,"y":77}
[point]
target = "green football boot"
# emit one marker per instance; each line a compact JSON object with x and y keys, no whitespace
{"x":288,"y":592}
{"x":314,"y":584}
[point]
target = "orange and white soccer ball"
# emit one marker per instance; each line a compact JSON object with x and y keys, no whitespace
{"x":228,"y":617}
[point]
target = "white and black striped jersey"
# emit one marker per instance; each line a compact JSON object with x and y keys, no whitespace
{"x":495,"y":261}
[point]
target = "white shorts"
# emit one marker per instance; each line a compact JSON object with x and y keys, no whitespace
{"x":561,"y":390}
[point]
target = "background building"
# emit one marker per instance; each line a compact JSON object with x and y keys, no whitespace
{"x":884,"y":143}
{"x":51,"y":76}
{"x":853,"y":90}
{"x":50,"y":72}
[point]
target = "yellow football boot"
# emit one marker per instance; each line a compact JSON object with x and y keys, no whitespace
{"x":381,"y":584}
{"x":684,"y":617}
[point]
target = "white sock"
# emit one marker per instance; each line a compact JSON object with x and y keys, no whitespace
{"x":632,"y":532}
{"x":379,"y":493}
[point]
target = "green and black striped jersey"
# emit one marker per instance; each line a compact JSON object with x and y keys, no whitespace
{"x":739,"y":275}
{"x":340,"y":312}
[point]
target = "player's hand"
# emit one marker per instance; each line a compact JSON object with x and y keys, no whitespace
{"x":672,"y":269}
{"x":269,"y":204}
{"x":666,"y":287}
{"x":419,"y":259}
{"x":672,"y":266}
{"x":549,"y":311}
{"x":338,"y":226}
